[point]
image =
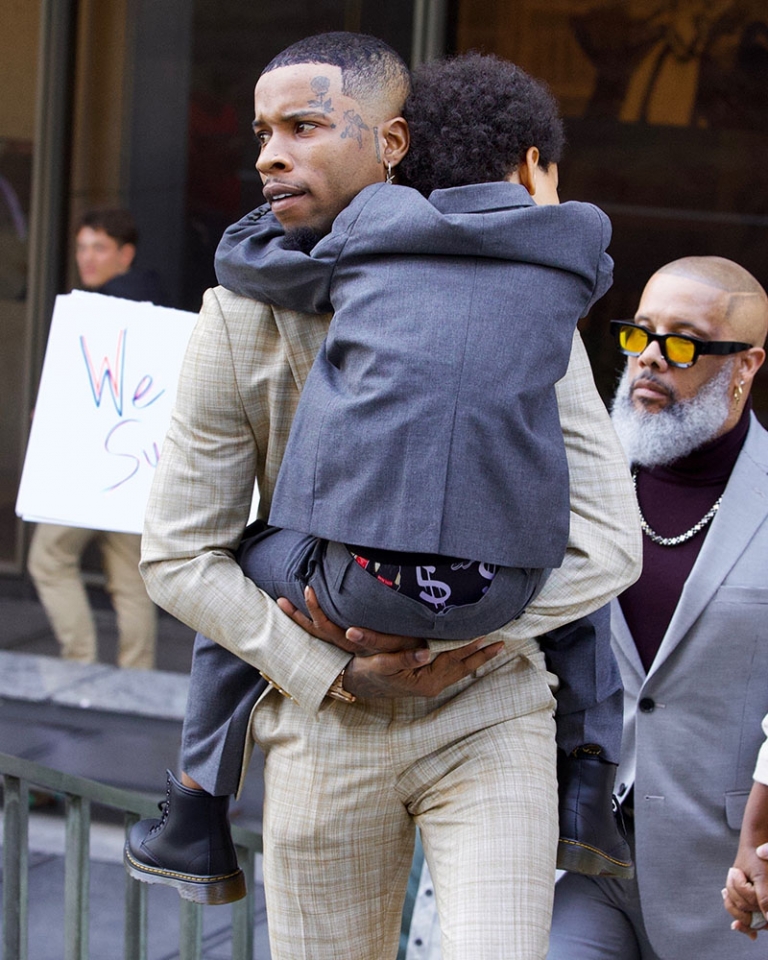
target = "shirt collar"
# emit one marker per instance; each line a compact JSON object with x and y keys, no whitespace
{"x":480,"y":197}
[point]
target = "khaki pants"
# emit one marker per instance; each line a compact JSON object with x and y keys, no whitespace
{"x":343,"y":794}
{"x":54,"y":565}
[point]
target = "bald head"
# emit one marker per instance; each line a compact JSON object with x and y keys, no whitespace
{"x":747,"y":306}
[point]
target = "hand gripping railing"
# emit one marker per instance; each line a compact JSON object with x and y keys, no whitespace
{"x":79,"y":793}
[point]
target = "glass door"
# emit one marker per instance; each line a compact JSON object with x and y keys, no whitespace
{"x":18,"y":85}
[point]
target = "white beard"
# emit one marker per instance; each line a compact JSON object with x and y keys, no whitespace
{"x":679,"y":428}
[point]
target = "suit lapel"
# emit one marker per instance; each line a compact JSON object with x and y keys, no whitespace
{"x":743,"y":510}
{"x":302,"y":335}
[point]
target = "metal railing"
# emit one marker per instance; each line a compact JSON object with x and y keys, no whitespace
{"x":79,"y":793}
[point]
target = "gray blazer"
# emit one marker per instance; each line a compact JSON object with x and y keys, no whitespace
{"x":429,"y":423}
{"x":692,"y":725}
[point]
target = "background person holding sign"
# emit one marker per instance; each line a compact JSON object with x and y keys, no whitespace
{"x":106,"y":248}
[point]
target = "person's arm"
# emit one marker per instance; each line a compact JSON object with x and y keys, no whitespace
{"x":202,"y":491}
{"x":254,"y":259}
{"x":746,"y":890}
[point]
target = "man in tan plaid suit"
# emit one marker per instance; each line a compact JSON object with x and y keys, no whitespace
{"x":460,"y":743}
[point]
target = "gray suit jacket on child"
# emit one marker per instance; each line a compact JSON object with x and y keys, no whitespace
{"x":434,"y":391}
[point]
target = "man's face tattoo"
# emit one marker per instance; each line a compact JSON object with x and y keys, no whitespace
{"x":320,"y":87}
{"x":310,"y":164}
{"x":355,"y":125}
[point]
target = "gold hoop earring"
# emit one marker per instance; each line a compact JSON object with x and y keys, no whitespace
{"x":390,"y":175}
{"x":738,"y":392}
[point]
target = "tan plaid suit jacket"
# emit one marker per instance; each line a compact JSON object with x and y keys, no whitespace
{"x":237,"y":395}
{"x":345,"y":784}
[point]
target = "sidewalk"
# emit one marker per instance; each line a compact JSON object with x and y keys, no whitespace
{"x":62,"y":723}
{"x":103,"y":723}
{"x":107,"y":891}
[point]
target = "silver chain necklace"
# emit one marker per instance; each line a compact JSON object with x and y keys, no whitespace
{"x":674,"y":541}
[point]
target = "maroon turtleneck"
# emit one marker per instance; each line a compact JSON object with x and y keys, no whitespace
{"x":673,"y":499}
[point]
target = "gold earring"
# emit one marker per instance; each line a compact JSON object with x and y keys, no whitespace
{"x":390,"y":175}
{"x":738,"y":392}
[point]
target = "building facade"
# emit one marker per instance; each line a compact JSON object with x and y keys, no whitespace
{"x":147,"y":104}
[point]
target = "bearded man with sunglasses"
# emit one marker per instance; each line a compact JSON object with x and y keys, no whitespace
{"x":691,"y":635}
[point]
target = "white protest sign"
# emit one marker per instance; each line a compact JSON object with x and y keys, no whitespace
{"x":107,"y":391}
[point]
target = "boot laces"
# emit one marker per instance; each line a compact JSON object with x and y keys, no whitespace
{"x":164,"y":807}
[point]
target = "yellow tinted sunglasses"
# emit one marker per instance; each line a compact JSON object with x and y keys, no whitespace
{"x":678,"y":349}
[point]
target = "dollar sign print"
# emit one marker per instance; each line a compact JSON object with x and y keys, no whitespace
{"x":435,"y":591}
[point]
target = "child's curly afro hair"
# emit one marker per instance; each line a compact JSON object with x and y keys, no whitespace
{"x":472,"y":119}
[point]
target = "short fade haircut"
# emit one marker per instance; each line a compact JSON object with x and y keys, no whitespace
{"x":472,"y":119}
{"x":118,"y":224}
{"x":370,"y":68}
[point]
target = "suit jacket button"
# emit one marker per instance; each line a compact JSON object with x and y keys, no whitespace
{"x":647,"y":705}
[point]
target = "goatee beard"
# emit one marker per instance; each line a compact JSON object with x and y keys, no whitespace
{"x":682,"y":426}
{"x":302,"y":239}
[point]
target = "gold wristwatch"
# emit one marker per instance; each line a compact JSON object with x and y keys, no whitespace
{"x":337,"y":691}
